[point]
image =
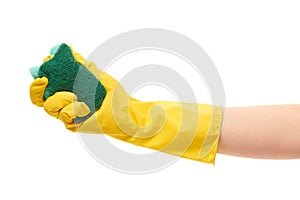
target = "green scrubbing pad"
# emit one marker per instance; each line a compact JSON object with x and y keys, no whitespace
{"x":64,"y":73}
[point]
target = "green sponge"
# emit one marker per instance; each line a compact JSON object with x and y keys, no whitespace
{"x":64,"y":73}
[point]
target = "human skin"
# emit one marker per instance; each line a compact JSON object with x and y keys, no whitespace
{"x":269,"y":132}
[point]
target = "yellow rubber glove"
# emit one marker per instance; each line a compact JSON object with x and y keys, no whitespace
{"x":37,"y":89}
{"x":188,"y":130}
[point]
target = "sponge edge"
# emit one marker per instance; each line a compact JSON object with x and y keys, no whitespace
{"x":65,"y":73}
{"x":34,"y":71}
{"x":54,"y":49}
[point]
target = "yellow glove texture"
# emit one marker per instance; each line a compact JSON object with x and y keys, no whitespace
{"x":188,"y":130}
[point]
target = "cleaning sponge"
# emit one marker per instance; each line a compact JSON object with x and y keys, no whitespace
{"x":64,"y":73}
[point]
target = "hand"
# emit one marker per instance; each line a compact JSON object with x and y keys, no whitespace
{"x":171,"y":127}
{"x":62,"y":105}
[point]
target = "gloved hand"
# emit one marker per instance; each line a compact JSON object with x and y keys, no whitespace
{"x":188,"y":130}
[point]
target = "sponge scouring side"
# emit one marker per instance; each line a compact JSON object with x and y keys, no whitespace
{"x":64,"y":73}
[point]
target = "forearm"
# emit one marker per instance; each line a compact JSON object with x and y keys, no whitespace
{"x":261,"y":132}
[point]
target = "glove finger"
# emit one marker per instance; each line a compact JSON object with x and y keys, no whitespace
{"x":55,"y":103}
{"x":71,"y":126}
{"x":73,"y":110}
{"x":36,"y":91}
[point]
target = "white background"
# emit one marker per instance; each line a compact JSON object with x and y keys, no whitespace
{"x":255,"y":46}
